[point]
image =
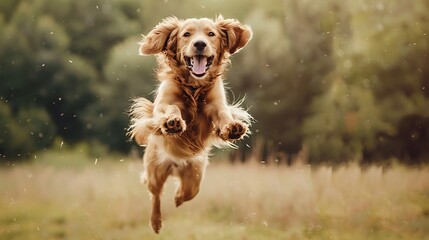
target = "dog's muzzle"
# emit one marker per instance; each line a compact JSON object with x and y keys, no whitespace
{"x":198,"y":65}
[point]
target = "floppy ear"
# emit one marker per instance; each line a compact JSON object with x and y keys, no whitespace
{"x":162,"y":37}
{"x":234,"y":35}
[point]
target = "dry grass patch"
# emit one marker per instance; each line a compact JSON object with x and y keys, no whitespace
{"x":106,"y":201}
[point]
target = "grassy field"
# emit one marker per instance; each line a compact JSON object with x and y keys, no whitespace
{"x":68,"y":196}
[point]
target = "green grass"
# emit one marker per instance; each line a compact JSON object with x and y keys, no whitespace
{"x":64,"y":195}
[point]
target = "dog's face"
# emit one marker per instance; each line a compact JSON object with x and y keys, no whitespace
{"x":198,"y":42}
{"x":196,"y":45}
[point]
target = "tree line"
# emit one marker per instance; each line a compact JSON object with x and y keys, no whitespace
{"x":346,"y":80}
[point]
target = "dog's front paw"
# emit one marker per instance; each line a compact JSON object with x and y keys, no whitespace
{"x":173,"y":125}
{"x":233,"y":131}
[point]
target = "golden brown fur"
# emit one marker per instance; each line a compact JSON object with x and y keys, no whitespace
{"x":190,"y":112}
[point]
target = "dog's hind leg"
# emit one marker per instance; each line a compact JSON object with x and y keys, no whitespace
{"x":156,"y":175}
{"x":190,"y":176}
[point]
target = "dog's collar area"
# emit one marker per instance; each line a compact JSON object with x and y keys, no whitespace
{"x":196,"y":95}
{"x":198,"y":75}
{"x":196,"y":87}
{"x":195,"y":84}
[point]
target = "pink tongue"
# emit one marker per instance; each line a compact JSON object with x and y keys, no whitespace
{"x":199,"y":65}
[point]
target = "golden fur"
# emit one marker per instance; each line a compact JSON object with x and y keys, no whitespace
{"x":190,"y":112}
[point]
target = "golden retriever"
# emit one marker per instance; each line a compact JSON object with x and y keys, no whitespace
{"x":190,"y":112}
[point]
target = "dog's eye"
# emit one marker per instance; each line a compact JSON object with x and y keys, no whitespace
{"x":187,"y":34}
{"x":211,"y":34}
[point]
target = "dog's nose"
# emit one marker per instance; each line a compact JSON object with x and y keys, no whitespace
{"x":200,"y":45}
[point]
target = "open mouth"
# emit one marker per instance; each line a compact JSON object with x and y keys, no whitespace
{"x":198,"y":65}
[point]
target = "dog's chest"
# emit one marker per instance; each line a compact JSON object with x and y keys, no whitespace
{"x":193,"y":111}
{"x":198,"y":123}
{"x":195,"y":100}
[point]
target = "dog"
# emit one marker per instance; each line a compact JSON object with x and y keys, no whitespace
{"x":190,"y":112}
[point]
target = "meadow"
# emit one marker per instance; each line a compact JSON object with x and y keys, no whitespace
{"x":64,"y":195}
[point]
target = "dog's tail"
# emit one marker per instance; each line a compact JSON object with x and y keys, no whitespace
{"x":142,"y":124}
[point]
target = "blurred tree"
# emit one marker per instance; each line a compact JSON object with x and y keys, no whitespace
{"x":48,"y":62}
{"x":94,"y":26}
{"x":7,"y":8}
{"x":343,"y":79}
{"x":127,"y":75}
{"x":380,"y":72}
{"x":343,"y":125}
{"x":282,"y":71}
{"x":25,"y":133}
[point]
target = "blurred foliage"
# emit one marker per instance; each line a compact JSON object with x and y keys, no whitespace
{"x":346,"y":80}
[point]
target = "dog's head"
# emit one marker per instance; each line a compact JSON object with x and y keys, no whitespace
{"x":198,"y":46}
